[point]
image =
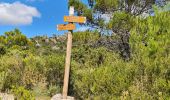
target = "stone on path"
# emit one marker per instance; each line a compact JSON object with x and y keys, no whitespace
{"x":59,"y":97}
{"x":5,"y":96}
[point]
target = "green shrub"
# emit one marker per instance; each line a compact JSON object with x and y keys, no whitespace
{"x":54,"y":65}
{"x":34,"y":71}
{"x":53,"y":90}
{"x":22,"y":94}
{"x":102,"y":75}
{"x":12,"y":67}
{"x":2,"y":50}
{"x":85,"y":37}
{"x":40,"y":89}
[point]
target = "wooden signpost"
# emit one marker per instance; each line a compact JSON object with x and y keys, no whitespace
{"x":70,"y":27}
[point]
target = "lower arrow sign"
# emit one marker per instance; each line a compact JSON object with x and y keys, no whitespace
{"x":66,"y":27}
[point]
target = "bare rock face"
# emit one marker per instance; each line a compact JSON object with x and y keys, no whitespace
{"x":55,"y":48}
{"x":60,"y":97}
{"x":38,"y":45}
{"x":54,"y":41}
{"x":47,"y":40}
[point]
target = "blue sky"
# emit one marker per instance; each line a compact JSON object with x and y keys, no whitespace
{"x":39,"y":17}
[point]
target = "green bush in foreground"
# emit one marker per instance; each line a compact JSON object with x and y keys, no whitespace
{"x":22,"y":94}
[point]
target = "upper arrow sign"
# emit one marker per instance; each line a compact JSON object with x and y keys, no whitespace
{"x":76,"y":19}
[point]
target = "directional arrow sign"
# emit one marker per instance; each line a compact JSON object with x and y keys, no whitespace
{"x":76,"y":19}
{"x":66,"y":27}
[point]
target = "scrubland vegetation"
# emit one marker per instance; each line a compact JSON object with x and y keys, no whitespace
{"x":132,"y":66}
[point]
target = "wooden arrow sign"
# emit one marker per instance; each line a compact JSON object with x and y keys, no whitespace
{"x":76,"y":19}
{"x":66,"y":27}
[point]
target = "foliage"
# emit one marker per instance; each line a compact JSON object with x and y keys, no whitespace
{"x":11,"y":66}
{"x":99,"y":9}
{"x":55,"y":69}
{"x":53,"y":90}
{"x":85,"y":37}
{"x":145,"y":76}
{"x":16,"y":38}
{"x":150,"y":44}
{"x":33,"y":71}
{"x":2,"y":49}
{"x":103,"y":78}
{"x":115,"y":17}
{"x":22,"y":94}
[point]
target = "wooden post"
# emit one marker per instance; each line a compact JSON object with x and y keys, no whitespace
{"x":68,"y":59}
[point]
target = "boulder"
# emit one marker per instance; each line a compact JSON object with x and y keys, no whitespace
{"x":60,"y":97}
{"x":5,"y":96}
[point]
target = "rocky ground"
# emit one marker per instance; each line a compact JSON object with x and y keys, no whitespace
{"x":5,"y":96}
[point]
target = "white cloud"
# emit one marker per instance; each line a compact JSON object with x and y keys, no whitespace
{"x":34,"y":0}
{"x":17,"y":14}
